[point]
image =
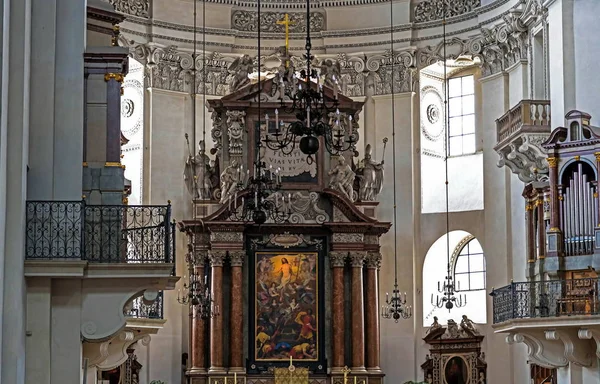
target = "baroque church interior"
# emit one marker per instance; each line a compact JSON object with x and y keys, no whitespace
{"x":299,"y":192}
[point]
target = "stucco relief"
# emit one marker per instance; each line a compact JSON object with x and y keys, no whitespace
{"x":242,"y":20}
{"x":430,"y":10}
{"x":132,"y":7}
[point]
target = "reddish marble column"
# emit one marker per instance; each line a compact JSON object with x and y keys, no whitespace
{"x":216,"y":322}
{"x":197,"y":346}
{"x":530,"y":232}
{"x":541,"y":240}
{"x":358,"y":314}
{"x":338,"y":260}
{"x":236,"y":325}
{"x":373,"y":261}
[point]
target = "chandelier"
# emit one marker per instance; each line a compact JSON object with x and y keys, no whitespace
{"x":448,"y":299}
{"x":260,"y":199}
{"x":196,"y":293}
{"x":317,"y":113}
{"x":394,"y":308}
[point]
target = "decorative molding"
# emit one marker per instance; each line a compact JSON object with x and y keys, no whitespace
{"x":236,"y":258}
{"x":357,"y":258}
{"x":247,"y":21}
{"x":138,"y":8}
{"x":525,"y":157}
{"x":217,"y":258}
{"x":347,"y":238}
{"x":431,"y":10}
{"x":236,"y":126}
{"x":338,"y":259}
{"x":226,"y":237}
{"x":373,"y":260}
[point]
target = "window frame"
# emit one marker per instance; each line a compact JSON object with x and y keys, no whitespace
{"x":461,"y":116}
{"x":458,"y":253}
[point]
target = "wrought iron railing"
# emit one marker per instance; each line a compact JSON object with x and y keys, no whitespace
{"x":99,"y":233}
{"x":140,"y":310}
{"x":553,"y":298}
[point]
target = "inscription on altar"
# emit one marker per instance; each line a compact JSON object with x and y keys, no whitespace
{"x":292,"y":164}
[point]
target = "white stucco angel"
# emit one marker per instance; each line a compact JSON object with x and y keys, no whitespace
{"x":342,"y":178}
{"x":240,"y":68}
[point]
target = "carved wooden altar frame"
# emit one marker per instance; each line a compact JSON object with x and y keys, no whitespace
{"x":351,"y":244}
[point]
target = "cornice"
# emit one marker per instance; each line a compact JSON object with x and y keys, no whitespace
{"x":321,"y":34}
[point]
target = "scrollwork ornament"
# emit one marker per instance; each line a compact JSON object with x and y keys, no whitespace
{"x":357,"y":259}
{"x":431,"y":10}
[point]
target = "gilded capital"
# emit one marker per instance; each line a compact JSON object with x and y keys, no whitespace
{"x":118,"y":77}
{"x":552,"y":162}
{"x":236,"y":258}
{"x":373,"y":260}
{"x":337,"y":259}
{"x":217,"y":258}
{"x":357,"y":258}
{"x":597,"y":154}
{"x":528,"y":207}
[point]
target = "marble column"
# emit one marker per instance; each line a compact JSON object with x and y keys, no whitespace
{"x":358,"y":315}
{"x":541,"y":240}
{"x":198,"y":342}
{"x":216,"y":322}
{"x":373,"y":262}
{"x":338,"y":260}
{"x":554,"y":209}
{"x":530,"y":232}
{"x":237,"y":315}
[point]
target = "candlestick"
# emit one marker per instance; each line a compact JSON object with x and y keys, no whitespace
{"x":235,"y":377}
{"x":291,"y":361}
{"x":354,"y":379}
{"x":225,"y":379}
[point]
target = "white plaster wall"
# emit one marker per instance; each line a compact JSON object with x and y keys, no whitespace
{"x":168,"y":119}
{"x":586,"y":49}
{"x":38,"y":343}
{"x":518,"y":83}
{"x":496,"y":221}
{"x":399,"y":337}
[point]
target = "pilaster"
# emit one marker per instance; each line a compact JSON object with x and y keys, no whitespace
{"x":216,"y":323}
{"x":357,"y":259}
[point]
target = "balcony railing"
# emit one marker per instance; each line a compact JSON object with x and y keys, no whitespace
{"x":139,"y":310}
{"x":72,"y":230}
{"x":554,"y":298}
{"x":528,"y":113}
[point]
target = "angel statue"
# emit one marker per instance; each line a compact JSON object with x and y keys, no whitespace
{"x":468,"y":326}
{"x":435,"y":325}
{"x":241,"y":68}
{"x":370,"y":175}
{"x":330,"y":71}
{"x":230,"y":179}
{"x":342,"y":178}
{"x":198,"y":174}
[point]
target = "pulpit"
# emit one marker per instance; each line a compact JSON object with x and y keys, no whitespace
{"x":304,"y":287}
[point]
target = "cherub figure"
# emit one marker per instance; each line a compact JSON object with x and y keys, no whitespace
{"x":241,"y":68}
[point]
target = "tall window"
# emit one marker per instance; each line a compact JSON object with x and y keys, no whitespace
{"x":461,"y":99}
{"x":469,"y":268}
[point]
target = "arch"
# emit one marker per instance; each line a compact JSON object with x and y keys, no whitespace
{"x":589,"y":168}
{"x":435,"y":270}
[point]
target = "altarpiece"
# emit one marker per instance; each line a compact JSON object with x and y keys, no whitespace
{"x":303,"y":292}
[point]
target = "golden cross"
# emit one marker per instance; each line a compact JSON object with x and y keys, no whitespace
{"x":287,"y":22}
{"x":346,"y":371}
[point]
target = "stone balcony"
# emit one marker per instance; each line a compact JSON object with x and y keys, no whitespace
{"x":559,"y":320}
{"x":520,"y":133}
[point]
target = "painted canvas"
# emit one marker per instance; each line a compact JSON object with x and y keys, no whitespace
{"x":456,"y":371}
{"x":287,"y":305}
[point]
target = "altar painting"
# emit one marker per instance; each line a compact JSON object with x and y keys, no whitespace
{"x":286,"y":310}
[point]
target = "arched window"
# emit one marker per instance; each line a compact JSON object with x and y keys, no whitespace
{"x":467,"y":262}
{"x":469,"y":265}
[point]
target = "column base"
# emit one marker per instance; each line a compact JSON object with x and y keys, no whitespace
{"x":337,"y":371}
{"x":238,"y":370}
{"x":356,"y":370}
{"x":217,"y":371}
{"x":374,"y":370}
{"x":195,"y":371}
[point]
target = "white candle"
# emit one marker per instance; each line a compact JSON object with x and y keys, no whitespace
{"x":276,"y":119}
